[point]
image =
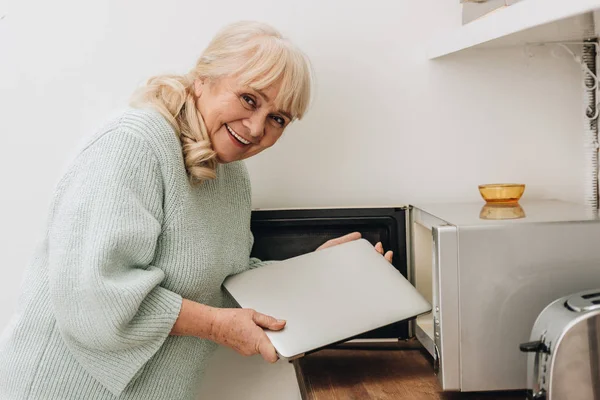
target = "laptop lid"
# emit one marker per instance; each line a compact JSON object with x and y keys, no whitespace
{"x":327,"y":296}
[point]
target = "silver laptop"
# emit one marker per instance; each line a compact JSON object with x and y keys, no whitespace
{"x":327,"y":296}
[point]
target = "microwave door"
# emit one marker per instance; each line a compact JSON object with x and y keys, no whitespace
{"x":422,"y":268}
{"x":445,"y":311}
{"x":434,"y":271}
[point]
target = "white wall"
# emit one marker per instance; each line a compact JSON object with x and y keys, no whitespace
{"x":387,"y":127}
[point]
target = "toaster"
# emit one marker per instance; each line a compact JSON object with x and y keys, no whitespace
{"x":564,"y":352}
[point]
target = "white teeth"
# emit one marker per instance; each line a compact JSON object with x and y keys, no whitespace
{"x":235,"y":135}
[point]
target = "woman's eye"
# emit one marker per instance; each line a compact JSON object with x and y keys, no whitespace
{"x":249,"y":100}
{"x":279,"y":120}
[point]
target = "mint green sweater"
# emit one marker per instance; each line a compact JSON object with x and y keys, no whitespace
{"x":128,"y":237}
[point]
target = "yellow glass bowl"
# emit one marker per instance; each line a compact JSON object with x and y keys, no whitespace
{"x":499,"y":211}
{"x":502,"y":193}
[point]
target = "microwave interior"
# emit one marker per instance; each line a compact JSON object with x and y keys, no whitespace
{"x":282,"y":234}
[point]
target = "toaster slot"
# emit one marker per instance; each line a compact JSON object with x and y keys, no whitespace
{"x":582,"y":302}
{"x":591,"y":295}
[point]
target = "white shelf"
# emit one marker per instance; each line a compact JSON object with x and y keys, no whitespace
{"x":529,"y":21}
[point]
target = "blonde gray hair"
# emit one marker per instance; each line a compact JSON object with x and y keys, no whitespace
{"x":258,"y":56}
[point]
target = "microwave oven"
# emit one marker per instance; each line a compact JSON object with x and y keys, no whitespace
{"x":488,"y":271}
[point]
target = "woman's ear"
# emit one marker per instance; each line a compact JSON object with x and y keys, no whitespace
{"x":198,"y":87}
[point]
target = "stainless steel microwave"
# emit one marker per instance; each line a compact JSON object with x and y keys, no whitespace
{"x":487,"y":271}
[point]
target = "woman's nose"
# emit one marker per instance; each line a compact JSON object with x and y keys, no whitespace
{"x":256,"y":126}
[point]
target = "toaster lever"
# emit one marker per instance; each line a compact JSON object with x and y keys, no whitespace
{"x":534,"y":347}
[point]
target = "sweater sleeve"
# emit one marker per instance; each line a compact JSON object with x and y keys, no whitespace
{"x":111,"y":310}
{"x":256,"y":262}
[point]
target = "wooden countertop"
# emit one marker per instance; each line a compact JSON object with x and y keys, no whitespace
{"x":403,"y":373}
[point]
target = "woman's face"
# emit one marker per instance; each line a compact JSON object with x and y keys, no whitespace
{"x":241,"y":121}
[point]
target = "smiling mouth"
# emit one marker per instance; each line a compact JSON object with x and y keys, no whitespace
{"x":236,"y":136}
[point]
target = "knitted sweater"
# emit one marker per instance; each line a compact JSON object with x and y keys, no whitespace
{"x":128,"y":237}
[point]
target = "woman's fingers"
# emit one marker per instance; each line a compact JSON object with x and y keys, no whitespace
{"x":342,"y":239}
{"x":266,"y":349}
{"x":243,"y":331}
{"x":266,"y":321}
{"x":389,"y":255}
{"x":346,"y":238}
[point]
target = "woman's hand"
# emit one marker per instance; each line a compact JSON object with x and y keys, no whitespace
{"x":355,"y":236}
{"x":241,"y":330}
{"x":343,"y":239}
{"x":388,"y":255}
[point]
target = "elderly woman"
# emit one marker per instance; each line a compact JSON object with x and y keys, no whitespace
{"x":123,"y":299}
